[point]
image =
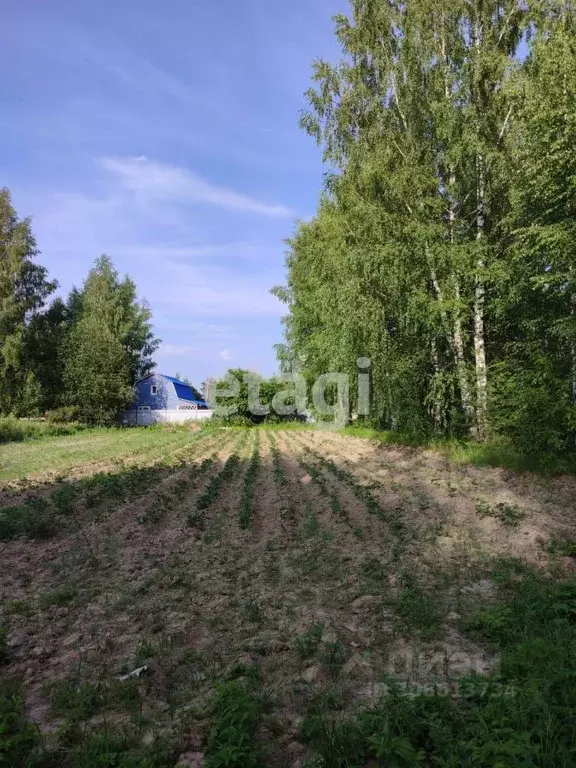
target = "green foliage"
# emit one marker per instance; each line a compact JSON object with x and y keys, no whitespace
{"x":19,"y":738}
{"x":85,"y":353}
{"x":416,"y":611}
{"x":509,"y":515}
{"x":560,"y":545}
{"x":14,"y":430}
{"x":308,"y":643}
{"x":34,"y":519}
{"x":108,"y":347}
{"x":212,"y":491}
{"x":520,"y":715}
{"x":442,"y":248}
{"x":236,"y":712}
{"x":253,"y":403}
{"x":23,"y":289}
{"x":63,"y":415}
{"x":60,"y":596}
{"x":531,"y":403}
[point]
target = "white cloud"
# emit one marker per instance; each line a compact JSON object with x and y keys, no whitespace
{"x":213,"y":291}
{"x":174,"y":350}
{"x":170,"y":183}
{"x":225,"y":354}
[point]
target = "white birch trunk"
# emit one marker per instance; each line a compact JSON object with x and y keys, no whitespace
{"x":457,"y":343}
{"x":479,"y":301}
{"x":480,"y":288}
{"x":457,"y":334}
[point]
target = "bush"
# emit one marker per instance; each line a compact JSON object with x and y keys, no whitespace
{"x":267,"y":390}
{"x":530,"y":405}
{"x":35,"y":519}
{"x":13,"y":430}
{"x":64,"y":415}
{"x":236,"y":713}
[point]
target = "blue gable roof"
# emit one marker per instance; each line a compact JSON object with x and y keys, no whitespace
{"x":162,"y":397}
{"x":185,"y":392}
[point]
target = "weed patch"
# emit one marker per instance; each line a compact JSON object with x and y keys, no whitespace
{"x":236,"y":712}
{"x":245,"y":515}
{"x":19,"y":738}
{"x":521,"y":715}
{"x":509,"y":515}
{"x":308,"y":643}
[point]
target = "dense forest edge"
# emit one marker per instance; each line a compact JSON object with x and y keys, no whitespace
{"x":442,"y":250}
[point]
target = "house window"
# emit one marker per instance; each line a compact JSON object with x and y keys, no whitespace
{"x":154,"y":389}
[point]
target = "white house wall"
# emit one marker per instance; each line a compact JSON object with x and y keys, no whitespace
{"x":145,"y":418}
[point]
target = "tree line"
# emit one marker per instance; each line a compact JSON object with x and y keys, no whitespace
{"x":444,"y":244}
{"x":79,"y":356}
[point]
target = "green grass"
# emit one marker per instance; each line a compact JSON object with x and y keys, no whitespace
{"x":492,"y":454}
{"x":13,"y":430}
{"x":308,"y":642}
{"x":19,"y":738}
{"x":416,"y":612}
{"x":508,"y":514}
{"x":245,"y":513}
{"x":521,"y":715}
{"x":236,"y":712}
{"x":59,"y":454}
{"x":61,"y":596}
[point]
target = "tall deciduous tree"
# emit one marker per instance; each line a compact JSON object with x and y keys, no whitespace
{"x":45,"y":336}
{"x":109,"y":345}
{"x":443,"y":246}
{"x":24,"y":287}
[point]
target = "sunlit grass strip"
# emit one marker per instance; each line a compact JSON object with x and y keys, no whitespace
{"x":362,"y":492}
{"x":245,"y":514}
{"x":62,"y":454}
{"x":212,"y":490}
{"x":317,"y":477}
{"x":498,"y":453}
{"x":279,"y":473}
{"x":45,"y":516}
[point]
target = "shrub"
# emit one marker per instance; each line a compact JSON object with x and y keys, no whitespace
{"x":19,"y":738}
{"x":35,"y":519}
{"x":13,"y":430}
{"x":64,"y":415}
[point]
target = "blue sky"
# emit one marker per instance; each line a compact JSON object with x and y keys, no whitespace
{"x":166,"y":135}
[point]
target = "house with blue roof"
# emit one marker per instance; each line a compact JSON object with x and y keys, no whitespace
{"x":163,"y":398}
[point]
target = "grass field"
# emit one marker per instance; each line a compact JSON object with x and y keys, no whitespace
{"x":258,"y":597}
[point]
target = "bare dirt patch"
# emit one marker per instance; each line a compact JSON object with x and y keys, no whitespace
{"x":356,"y":563}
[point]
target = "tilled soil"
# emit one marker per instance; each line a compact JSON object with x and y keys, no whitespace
{"x":339,"y":527}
